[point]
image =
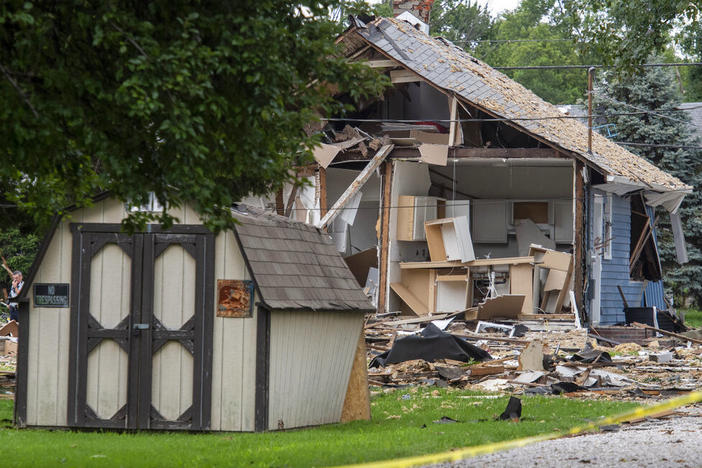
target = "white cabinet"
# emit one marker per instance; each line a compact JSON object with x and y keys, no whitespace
{"x":457,"y":208}
{"x":412,"y":213}
{"x":489,"y":223}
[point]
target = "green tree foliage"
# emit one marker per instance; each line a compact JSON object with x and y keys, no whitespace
{"x":529,"y":35}
{"x":626,"y":32}
{"x":692,"y":45}
{"x":19,"y":249}
{"x":537,"y":40}
{"x":360,"y":8}
{"x":201,"y":102}
{"x":657,"y":89}
{"x":461,"y":21}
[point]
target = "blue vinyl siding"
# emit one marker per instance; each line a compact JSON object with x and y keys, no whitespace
{"x":655,"y":292}
{"x":616,"y":271}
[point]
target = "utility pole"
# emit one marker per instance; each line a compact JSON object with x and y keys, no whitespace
{"x":590,"y":74}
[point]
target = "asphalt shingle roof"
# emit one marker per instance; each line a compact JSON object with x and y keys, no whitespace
{"x":295,"y":265}
{"x":451,"y":68}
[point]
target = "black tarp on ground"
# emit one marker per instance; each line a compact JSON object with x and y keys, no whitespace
{"x":588,"y":354}
{"x":431,"y":344}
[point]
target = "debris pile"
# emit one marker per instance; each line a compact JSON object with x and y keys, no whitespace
{"x":8,"y":358}
{"x":570,"y":362}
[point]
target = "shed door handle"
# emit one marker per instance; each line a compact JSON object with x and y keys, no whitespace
{"x":138,"y":327}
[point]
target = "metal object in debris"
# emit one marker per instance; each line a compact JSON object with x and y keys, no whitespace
{"x":483,"y":325}
{"x":234,"y":298}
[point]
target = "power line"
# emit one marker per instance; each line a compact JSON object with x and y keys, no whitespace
{"x":617,"y":101}
{"x":654,"y":145}
{"x":503,"y":119}
{"x":507,"y":41}
{"x":585,"y":67}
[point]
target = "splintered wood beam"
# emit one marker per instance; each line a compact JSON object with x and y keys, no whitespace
{"x":404,"y":76}
{"x":453,"y":126}
{"x":382,"y":63}
{"x":355,"y":186}
{"x":322,"y":191}
{"x":384,"y":234}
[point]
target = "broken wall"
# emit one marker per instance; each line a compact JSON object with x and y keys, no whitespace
{"x":494,"y":185}
{"x":409,"y":178}
{"x":361,"y":234}
{"x":615,"y":270}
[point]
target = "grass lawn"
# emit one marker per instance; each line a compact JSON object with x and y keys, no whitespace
{"x":693,"y":318}
{"x":402,"y":426}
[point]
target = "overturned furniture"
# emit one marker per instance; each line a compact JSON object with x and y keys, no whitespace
{"x":249,"y":330}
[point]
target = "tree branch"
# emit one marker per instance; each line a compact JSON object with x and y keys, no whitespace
{"x":131,"y":41}
{"x":19,"y":90}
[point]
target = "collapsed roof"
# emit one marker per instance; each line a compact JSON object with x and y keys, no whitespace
{"x":455,"y":72}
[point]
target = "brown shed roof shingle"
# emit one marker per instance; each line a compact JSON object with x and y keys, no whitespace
{"x":295,"y":265}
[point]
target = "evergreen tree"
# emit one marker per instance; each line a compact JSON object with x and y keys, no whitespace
{"x":656,"y":89}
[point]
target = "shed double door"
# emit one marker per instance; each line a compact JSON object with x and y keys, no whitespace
{"x":141,"y":318}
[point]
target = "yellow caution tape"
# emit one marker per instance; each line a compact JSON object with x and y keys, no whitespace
{"x":467,"y":452}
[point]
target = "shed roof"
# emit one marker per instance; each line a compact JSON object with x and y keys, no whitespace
{"x":295,"y":265}
{"x":447,"y":66}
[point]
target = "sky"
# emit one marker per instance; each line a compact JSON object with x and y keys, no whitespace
{"x":498,"y":6}
{"x":495,"y":6}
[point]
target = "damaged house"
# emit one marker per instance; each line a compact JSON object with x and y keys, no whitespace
{"x":460,"y":189}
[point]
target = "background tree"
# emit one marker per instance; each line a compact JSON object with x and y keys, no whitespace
{"x":463,"y":22}
{"x":200,"y":102}
{"x":530,"y":35}
{"x":657,"y":89}
{"x":626,"y":32}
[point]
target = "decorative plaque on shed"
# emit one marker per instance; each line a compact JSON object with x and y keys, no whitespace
{"x":51,"y":295}
{"x":235,"y":298}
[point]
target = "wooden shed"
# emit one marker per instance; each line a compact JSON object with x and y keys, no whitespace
{"x":249,"y":330}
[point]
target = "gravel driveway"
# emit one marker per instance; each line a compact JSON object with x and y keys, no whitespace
{"x":674,"y":441}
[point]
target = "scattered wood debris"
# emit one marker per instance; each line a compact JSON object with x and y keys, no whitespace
{"x":543,"y":361}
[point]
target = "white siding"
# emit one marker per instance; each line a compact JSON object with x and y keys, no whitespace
{"x":49,"y":328}
{"x":174,"y":304}
{"x":310,"y":363}
{"x":110,"y":278}
{"x":234,"y":350}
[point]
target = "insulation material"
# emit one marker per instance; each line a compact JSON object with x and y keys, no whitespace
{"x":348,"y":213}
{"x":339,"y":233}
{"x":307,"y":193}
{"x":679,"y":238}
